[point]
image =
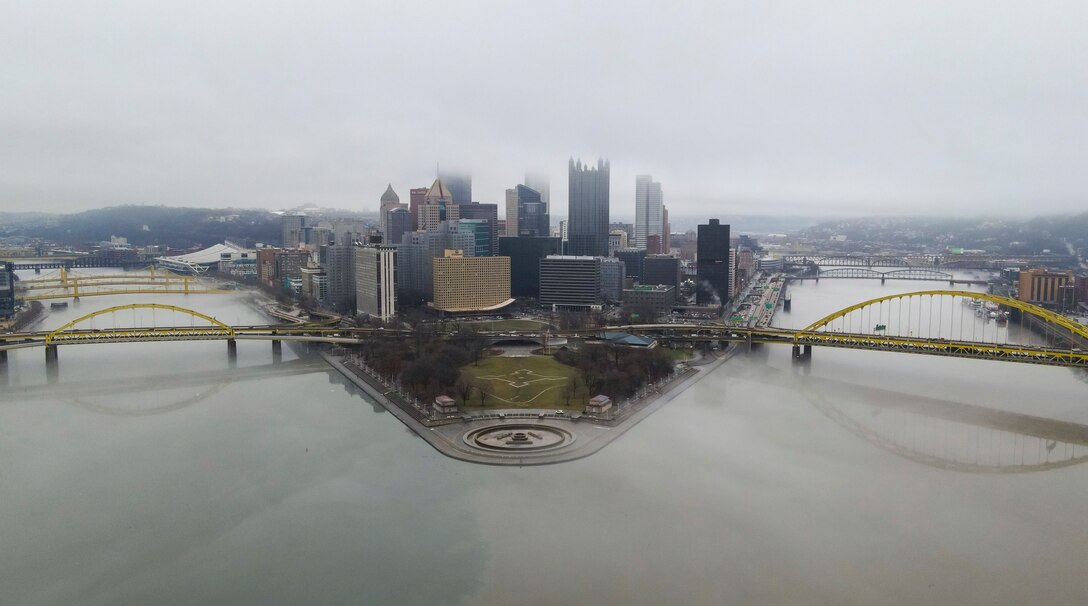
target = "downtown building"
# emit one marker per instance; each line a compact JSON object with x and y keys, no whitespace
{"x":712,"y":264}
{"x":459,"y":186}
{"x":587,"y":213}
{"x":570,"y":282}
{"x":376,"y":281}
{"x":649,"y":204}
{"x":471,"y":284}
{"x":526,"y":213}
{"x":525,"y":254}
{"x":484,"y":212}
{"x":438,"y":206}
{"x":416,"y":254}
{"x":390,"y":201}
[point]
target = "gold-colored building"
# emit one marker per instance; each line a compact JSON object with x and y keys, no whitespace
{"x":1042,"y":286}
{"x":463,"y":284}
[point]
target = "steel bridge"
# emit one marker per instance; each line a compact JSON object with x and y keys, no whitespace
{"x":913,"y":273}
{"x":72,"y":262}
{"x":68,"y":285}
{"x":937,"y":322}
{"x":968,"y":261}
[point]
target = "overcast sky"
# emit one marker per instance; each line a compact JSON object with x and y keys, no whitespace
{"x":736,"y":107}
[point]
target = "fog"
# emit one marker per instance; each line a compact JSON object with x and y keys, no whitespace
{"x":744,"y":107}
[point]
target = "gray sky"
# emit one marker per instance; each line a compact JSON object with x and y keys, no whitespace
{"x":736,"y":107}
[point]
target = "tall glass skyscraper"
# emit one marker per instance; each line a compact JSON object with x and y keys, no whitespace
{"x":526,"y":213}
{"x":587,"y":230}
{"x":648,"y":210}
{"x":712,"y":264}
{"x":460,"y":186}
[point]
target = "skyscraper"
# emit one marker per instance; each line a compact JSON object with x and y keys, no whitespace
{"x":541,"y":183}
{"x":376,"y":280}
{"x":485,"y":212}
{"x":389,"y":201}
{"x":400,"y":221}
{"x":526,"y":213}
{"x":416,"y":200}
{"x":587,"y":213}
{"x":438,"y":206}
{"x":292,"y":230}
{"x":712,"y":264}
{"x":460,"y":186}
{"x":648,"y":204}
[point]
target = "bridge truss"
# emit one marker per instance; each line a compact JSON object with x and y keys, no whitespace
{"x":913,"y":273}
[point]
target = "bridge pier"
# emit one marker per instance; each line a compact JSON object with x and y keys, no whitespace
{"x":3,"y":367}
{"x":52,"y":363}
{"x":232,"y":352}
{"x":882,"y":277}
{"x":277,"y":351}
{"x":802,"y":354}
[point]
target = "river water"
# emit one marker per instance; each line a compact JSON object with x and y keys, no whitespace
{"x":148,"y":474}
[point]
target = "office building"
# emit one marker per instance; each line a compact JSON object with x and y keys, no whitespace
{"x":656,"y":299}
{"x":587,"y":213}
{"x":376,"y":281}
{"x":481,"y":231}
{"x":389,"y":201}
{"x":661,"y":269}
{"x":712,"y":264}
{"x":468,"y":284}
{"x":612,"y":279}
{"x":459,"y":186}
{"x":399,"y":221}
{"x":526,"y":213}
{"x":666,"y":236}
{"x":417,"y":251}
{"x":617,"y":239}
{"x":525,"y":255}
{"x":339,"y":263}
{"x":292,"y":230}
{"x":1047,"y":287}
{"x":438,"y":206}
{"x":7,"y":290}
{"x":634,"y":260}
{"x":416,"y":199}
{"x":484,"y":212}
{"x":570,"y":282}
{"x":653,"y":244}
{"x":541,"y":183}
{"x":648,"y":205}
{"x":563,"y":230}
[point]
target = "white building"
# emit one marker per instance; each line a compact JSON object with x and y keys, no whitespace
{"x":648,"y":203}
{"x":376,"y":281}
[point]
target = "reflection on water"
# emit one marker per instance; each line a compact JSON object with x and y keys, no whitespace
{"x":279,"y":484}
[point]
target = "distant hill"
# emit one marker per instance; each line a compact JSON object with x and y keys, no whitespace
{"x":1056,"y":233}
{"x":165,"y":225}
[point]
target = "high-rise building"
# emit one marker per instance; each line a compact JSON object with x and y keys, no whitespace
{"x":400,"y":222}
{"x":459,"y":185}
{"x":712,"y":264}
{"x":634,"y":260}
{"x":339,"y":263}
{"x":484,"y":212}
{"x":481,"y":230}
{"x":526,"y":213}
{"x":617,"y":239}
{"x":587,"y":213}
{"x":466,"y":284}
{"x":292,"y":230}
{"x":525,"y":255}
{"x":666,"y":235}
{"x":648,"y":204}
{"x":438,"y":206}
{"x":7,"y":290}
{"x":389,"y":201}
{"x":376,"y":281}
{"x":568,"y":281}
{"x":661,"y":269}
{"x":417,"y":251}
{"x":653,"y":244}
{"x":563,"y":232}
{"x":416,"y":199}
{"x":612,"y":279}
{"x":541,"y":183}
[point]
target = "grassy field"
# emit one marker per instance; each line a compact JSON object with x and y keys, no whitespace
{"x":518,"y":324}
{"x":528,"y":382}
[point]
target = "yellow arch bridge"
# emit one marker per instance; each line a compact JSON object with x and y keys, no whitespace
{"x":936,"y":322}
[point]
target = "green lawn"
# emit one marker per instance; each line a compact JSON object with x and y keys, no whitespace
{"x":529,"y":382}
{"x":518,"y":324}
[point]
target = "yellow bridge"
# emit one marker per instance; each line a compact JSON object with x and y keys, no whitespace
{"x":71,"y":285}
{"x":939,"y":322}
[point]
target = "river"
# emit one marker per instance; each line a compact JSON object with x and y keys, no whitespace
{"x":149,"y":474}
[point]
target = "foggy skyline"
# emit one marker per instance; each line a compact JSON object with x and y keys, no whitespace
{"x":735,"y":107}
